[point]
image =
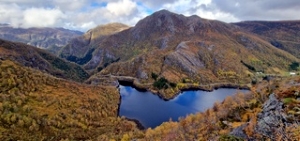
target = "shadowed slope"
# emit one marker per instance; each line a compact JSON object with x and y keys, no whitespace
{"x":41,"y":60}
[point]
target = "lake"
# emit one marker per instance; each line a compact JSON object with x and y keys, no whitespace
{"x":151,"y":111}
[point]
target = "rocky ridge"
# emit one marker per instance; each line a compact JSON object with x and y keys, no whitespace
{"x":52,"y":39}
{"x":281,"y":34}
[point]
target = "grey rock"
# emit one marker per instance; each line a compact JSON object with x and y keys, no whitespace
{"x":142,"y":74}
{"x":272,"y":120}
{"x":96,"y":59}
{"x":239,"y":131}
{"x":296,"y":93}
{"x":185,"y":59}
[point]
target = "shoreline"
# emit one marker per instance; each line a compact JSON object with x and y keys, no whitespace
{"x":139,"y":125}
{"x":188,"y":87}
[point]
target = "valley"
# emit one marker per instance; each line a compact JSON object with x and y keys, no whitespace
{"x":215,"y":80}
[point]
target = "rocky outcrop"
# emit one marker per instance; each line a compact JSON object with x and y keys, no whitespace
{"x":271,"y":122}
{"x":185,"y":59}
{"x":239,"y":132}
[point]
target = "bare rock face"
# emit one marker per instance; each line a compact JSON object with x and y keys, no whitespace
{"x":239,"y":132}
{"x":272,"y":120}
{"x":185,"y":59}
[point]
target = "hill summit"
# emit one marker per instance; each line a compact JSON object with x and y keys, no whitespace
{"x":179,"y":48}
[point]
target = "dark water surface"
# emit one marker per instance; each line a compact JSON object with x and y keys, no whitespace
{"x":151,"y":111}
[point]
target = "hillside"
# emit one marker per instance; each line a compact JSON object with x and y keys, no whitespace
{"x":269,"y":112}
{"x":281,"y":34}
{"x":42,"y":60}
{"x":51,"y":39}
{"x":179,"y":48}
{"x":37,"y":106}
{"x":80,"y":49}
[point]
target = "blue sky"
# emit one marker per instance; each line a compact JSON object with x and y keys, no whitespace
{"x":86,"y":14}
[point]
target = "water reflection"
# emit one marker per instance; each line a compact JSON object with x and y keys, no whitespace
{"x":151,"y":111}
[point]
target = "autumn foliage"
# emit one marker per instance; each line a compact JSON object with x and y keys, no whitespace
{"x":37,"y":106}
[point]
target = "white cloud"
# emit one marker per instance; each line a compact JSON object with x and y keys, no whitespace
{"x":40,"y":17}
{"x":84,"y":14}
{"x":121,"y":8}
{"x":11,"y":14}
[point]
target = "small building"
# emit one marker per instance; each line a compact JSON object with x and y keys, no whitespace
{"x":292,"y":73}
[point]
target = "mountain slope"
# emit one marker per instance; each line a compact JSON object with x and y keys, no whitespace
{"x":178,"y":47}
{"x":42,"y":60}
{"x":282,"y":34}
{"x":37,"y":106}
{"x":80,"y":49}
{"x":47,"y":38}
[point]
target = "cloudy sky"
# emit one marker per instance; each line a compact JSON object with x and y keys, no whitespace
{"x":85,"y":14}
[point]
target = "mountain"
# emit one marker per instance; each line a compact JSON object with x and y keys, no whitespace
{"x":42,"y":60}
{"x":38,"y":106}
{"x":281,"y":34}
{"x":47,"y":38}
{"x":179,"y":48}
{"x":80,"y":49}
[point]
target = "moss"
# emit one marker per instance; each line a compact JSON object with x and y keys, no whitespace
{"x":287,"y":100}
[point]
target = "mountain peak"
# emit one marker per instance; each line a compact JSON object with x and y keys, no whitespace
{"x":163,"y":12}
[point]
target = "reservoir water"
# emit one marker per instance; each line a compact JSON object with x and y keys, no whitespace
{"x":151,"y":111}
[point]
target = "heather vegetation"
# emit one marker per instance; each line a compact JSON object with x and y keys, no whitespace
{"x":37,"y":106}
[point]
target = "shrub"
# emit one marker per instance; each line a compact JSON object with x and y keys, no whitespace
{"x":161,"y":83}
{"x":154,"y":75}
{"x":294,"y":66}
